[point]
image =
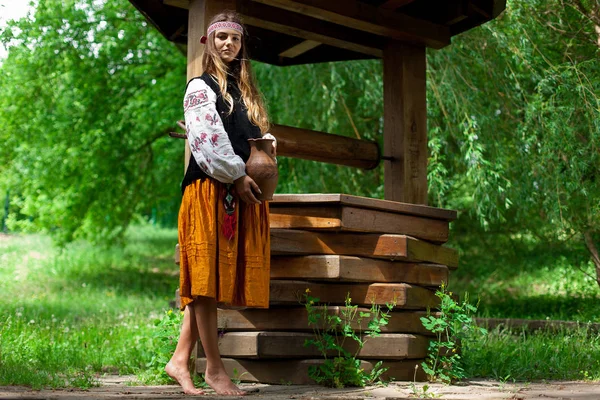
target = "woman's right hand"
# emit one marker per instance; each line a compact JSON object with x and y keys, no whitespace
{"x":244,"y":187}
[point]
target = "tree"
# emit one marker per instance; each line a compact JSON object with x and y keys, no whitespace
{"x":88,"y":94}
{"x":515,"y":118}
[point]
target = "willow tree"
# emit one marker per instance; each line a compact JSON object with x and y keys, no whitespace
{"x":516,"y":114}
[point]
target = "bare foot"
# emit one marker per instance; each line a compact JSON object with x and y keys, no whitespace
{"x":222,"y":385}
{"x":182,"y":375}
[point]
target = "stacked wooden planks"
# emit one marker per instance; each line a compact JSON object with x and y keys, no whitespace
{"x":374,"y":251}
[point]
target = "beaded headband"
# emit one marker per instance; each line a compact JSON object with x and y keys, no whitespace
{"x":222,"y":25}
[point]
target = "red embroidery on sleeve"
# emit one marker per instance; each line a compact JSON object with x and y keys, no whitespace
{"x":213,"y":140}
{"x":195,"y":99}
{"x":196,"y":145}
{"x":212,"y":119}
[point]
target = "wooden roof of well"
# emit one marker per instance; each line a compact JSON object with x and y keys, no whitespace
{"x":288,"y":32}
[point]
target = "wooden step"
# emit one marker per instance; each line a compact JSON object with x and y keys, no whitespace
{"x":296,"y":319}
{"x":404,"y":295}
{"x":329,"y":199}
{"x":353,"y":219}
{"x":357,"y":269}
{"x":268,"y":345}
{"x":395,"y":247}
{"x":295,"y":372}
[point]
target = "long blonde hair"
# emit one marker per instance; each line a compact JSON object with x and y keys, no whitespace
{"x":240,"y":69}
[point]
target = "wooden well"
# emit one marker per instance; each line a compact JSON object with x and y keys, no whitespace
{"x":335,"y":244}
{"x":375,"y":251}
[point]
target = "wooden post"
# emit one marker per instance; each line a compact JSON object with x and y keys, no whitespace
{"x":200,"y":12}
{"x":405,"y":123}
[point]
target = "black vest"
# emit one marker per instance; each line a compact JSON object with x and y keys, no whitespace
{"x":237,"y":125}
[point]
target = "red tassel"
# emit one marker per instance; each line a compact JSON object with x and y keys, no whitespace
{"x":229,"y":222}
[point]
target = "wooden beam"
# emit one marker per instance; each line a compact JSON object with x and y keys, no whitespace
{"x":297,"y":25}
{"x":352,"y":219}
{"x":498,"y":7}
{"x":325,"y":147}
{"x":277,"y":345}
{"x":296,"y":319}
{"x":357,"y":269}
{"x":291,"y":242}
{"x":405,"y":123}
{"x":295,"y":372}
{"x":319,"y":199}
{"x":395,"y":4}
{"x":403,"y":295}
{"x":185,"y":4}
{"x":300,"y":48}
{"x":361,"y":16}
{"x":199,"y":15}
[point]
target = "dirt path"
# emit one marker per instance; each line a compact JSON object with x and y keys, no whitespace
{"x":119,"y":387}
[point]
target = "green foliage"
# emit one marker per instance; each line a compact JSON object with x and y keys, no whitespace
{"x":163,"y":342}
{"x":452,"y":327}
{"x":340,"y":367}
{"x":88,"y":94}
{"x":515,"y":106}
{"x":422,"y":392}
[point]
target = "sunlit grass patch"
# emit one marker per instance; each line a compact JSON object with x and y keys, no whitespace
{"x":569,"y":354}
{"x":71,"y":314}
{"x":526,"y":277}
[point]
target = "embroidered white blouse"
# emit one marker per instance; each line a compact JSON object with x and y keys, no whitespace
{"x":207,"y":138}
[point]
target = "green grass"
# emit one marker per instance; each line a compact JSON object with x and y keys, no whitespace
{"x":540,"y":355}
{"x":526,"y":277}
{"x":69,"y":315}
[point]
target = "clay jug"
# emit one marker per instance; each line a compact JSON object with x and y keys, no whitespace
{"x":261,"y":167}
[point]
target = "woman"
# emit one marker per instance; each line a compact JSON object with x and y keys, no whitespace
{"x":224,"y":243}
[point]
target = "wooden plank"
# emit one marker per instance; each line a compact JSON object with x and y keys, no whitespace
{"x":325,"y":147}
{"x":185,"y":4}
{"x":357,"y":15}
{"x":300,"y":48}
{"x":405,"y":123}
{"x":354,"y":219}
{"x":419,"y":250}
{"x":269,"y":345}
{"x":395,"y":247}
{"x":357,"y":269}
{"x":406,"y":296}
{"x":286,"y":200}
{"x":395,"y":4}
{"x":328,"y":217}
{"x":361,"y":220}
{"x":296,"y":319}
{"x":295,"y":372}
{"x":301,"y":26}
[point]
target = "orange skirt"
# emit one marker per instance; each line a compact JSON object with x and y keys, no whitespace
{"x":234,"y":272}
